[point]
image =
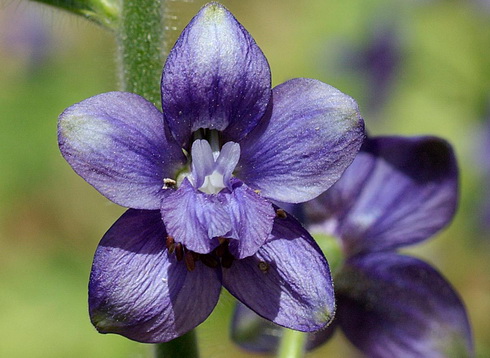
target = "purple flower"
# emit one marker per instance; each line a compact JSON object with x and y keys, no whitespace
{"x":199,"y":180}
{"x":398,"y":191}
{"x":376,"y":61}
{"x":26,"y":37}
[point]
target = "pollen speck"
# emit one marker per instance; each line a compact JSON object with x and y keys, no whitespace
{"x":263,"y":266}
{"x":281,"y":213}
{"x":168,"y":183}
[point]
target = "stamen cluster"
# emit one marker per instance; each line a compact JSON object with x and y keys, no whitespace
{"x":220,"y":256}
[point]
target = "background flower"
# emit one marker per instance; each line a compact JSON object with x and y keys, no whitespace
{"x":397,"y":192}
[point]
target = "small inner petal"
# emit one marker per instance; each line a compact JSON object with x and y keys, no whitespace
{"x":202,"y":161}
{"x":228,"y":159}
{"x":212,"y":171}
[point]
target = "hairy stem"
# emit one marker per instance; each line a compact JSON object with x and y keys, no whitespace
{"x":141,"y":48}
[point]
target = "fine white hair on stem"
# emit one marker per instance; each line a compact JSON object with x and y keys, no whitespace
{"x":176,"y":15}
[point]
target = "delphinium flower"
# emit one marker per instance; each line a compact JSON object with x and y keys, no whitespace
{"x":398,"y":191}
{"x":199,"y":180}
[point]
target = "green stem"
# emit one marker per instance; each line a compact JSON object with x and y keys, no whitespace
{"x":182,"y":347}
{"x":292,"y":344}
{"x":140,"y":39}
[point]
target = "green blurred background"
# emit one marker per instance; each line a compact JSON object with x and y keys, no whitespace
{"x":51,"y":220}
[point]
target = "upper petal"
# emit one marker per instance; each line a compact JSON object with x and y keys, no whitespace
{"x":313,"y":134}
{"x":287,"y":281}
{"x":391,"y":305}
{"x":215,"y":77}
{"x":398,"y":191}
{"x":118,"y":142}
{"x":140,"y":291}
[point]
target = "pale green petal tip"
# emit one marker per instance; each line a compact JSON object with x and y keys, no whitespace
{"x":324,"y":316}
{"x":103,"y":323}
{"x":214,"y":12}
{"x":82,"y":130}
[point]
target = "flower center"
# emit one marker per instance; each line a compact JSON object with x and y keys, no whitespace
{"x":212,"y":170}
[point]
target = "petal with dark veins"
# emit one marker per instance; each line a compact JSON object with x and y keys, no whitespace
{"x":118,"y":142}
{"x":140,"y":291}
{"x":391,"y":305}
{"x":215,"y":77}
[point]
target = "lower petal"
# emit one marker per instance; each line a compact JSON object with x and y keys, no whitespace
{"x":391,"y":305}
{"x":252,"y":218}
{"x":287,"y":281}
{"x":195,"y":219}
{"x":140,"y":291}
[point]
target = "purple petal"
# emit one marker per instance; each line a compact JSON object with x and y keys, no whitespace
{"x":256,"y":334}
{"x":398,"y":191}
{"x":215,"y":77}
{"x":118,"y":143}
{"x":198,"y":220}
{"x":391,"y":305}
{"x":287,"y":281}
{"x":227,"y":161}
{"x":252,"y":218}
{"x":140,"y":291}
{"x":202,"y":161}
{"x":314,"y":133}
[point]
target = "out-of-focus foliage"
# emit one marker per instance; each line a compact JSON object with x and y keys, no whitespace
{"x":51,"y":221}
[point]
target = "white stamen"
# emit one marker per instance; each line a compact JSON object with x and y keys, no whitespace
{"x":168,"y":183}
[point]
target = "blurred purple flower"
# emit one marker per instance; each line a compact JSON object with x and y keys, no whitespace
{"x":25,"y":36}
{"x":481,"y":146}
{"x":398,"y":191}
{"x":380,"y":60}
{"x":198,"y":180}
{"x":482,"y":6}
{"x":376,"y":60}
